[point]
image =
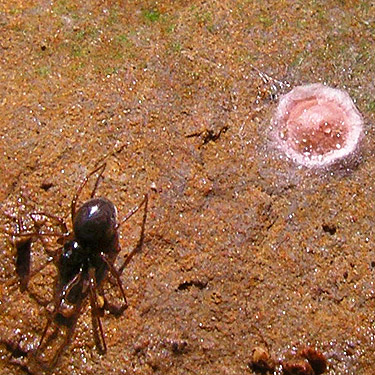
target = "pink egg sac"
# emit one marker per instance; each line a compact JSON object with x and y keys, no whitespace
{"x":317,"y":126}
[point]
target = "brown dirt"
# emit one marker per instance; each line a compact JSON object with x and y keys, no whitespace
{"x":242,"y":249}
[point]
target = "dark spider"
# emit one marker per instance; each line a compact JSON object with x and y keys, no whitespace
{"x":83,"y":261}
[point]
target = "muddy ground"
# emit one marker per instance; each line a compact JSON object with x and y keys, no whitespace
{"x":243,"y":249}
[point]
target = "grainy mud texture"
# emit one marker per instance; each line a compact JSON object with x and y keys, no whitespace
{"x":249,"y":261}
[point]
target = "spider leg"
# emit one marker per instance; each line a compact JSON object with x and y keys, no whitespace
{"x":73,"y":205}
{"x":139,"y":246}
{"x":58,"y":338}
{"x":95,"y":313}
{"x":66,"y":323}
{"x":44,"y":235}
{"x":36,"y":231}
{"x":133,"y":211}
{"x":116,"y":310}
{"x":98,"y":180}
{"x":22,"y":241}
{"x":58,"y":220}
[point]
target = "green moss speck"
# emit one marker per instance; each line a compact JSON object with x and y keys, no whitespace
{"x":301,"y":23}
{"x":14,"y":11}
{"x":298,"y":60}
{"x":89,"y":33}
{"x":176,"y":47}
{"x":80,"y":34}
{"x":113,"y":17}
{"x":122,"y":38}
{"x":265,"y":20}
{"x":203,"y":17}
{"x":371,"y":106}
{"x":110,"y":70}
{"x":171,"y":28}
{"x":78,"y":51}
{"x":63,"y":7}
{"x":151,"y":15}
{"x":43,"y":71}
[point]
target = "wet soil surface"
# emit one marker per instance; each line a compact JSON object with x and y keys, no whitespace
{"x":249,"y":262}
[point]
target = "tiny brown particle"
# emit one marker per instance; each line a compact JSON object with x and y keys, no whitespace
{"x":297,"y":368}
{"x":316,"y":359}
{"x":262,"y":361}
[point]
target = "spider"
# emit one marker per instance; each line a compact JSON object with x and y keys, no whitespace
{"x":86,"y":255}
